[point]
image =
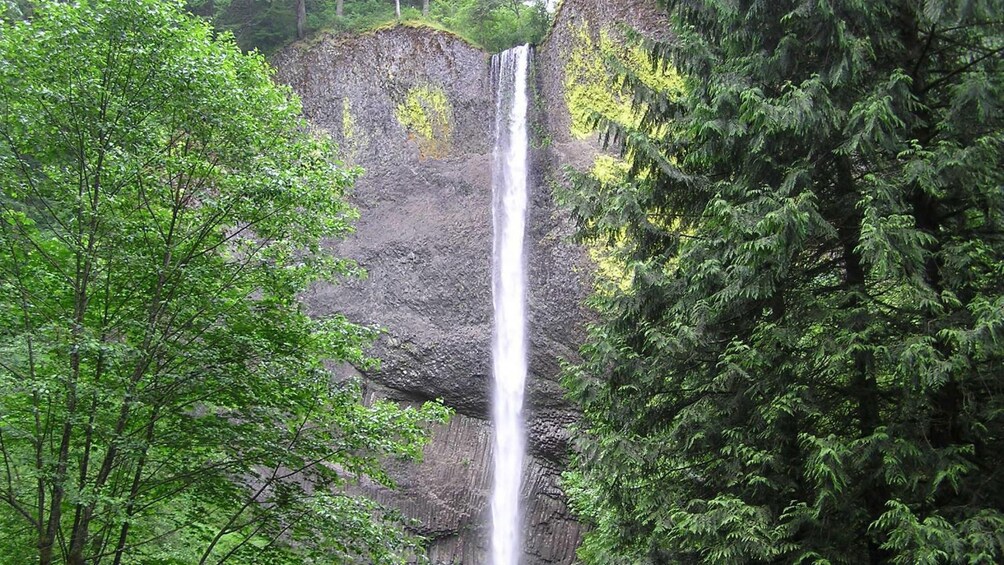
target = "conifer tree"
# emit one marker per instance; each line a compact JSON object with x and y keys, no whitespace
{"x":804,"y":363}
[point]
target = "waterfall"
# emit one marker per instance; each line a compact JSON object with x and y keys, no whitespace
{"x":509,"y":348}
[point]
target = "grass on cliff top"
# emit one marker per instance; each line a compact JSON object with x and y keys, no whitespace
{"x":423,"y":23}
{"x":497,"y":29}
{"x":349,"y":27}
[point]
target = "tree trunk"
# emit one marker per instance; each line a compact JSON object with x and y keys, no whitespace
{"x":874,"y":492}
{"x":340,"y":8}
{"x":207,"y":10}
{"x":301,"y":18}
{"x":425,"y":8}
{"x":397,"y":9}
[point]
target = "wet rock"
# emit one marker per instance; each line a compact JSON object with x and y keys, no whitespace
{"x":415,"y":108}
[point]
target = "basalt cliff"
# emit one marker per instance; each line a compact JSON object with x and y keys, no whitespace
{"x":415,"y":107}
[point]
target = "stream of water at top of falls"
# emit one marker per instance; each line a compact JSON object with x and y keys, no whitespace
{"x":509,"y":347}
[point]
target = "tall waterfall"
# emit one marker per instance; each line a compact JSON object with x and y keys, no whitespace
{"x":509,"y":349}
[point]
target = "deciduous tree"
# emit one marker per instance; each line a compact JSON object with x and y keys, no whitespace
{"x":162,"y":393}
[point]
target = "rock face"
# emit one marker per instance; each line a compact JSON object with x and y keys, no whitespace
{"x":415,"y":108}
{"x":579,"y":21}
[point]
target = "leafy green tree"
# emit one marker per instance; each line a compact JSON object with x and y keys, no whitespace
{"x":803,"y":363}
{"x":162,"y":393}
{"x":14,"y":9}
{"x":494,"y":24}
{"x":268,"y":25}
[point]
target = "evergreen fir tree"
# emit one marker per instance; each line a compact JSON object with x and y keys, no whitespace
{"x":804,"y":364}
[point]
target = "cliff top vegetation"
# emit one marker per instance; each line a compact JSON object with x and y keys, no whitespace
{"x":493,"y":25}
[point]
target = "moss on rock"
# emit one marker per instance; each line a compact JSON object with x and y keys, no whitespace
{"x":426,"y":115}
{"x":592,"y":87}
{"x":348,"y":122}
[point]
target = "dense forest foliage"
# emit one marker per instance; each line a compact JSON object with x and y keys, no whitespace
{"x":798,"y":352}
{"x":802,"y":360}
{"x":268,"y":24}
{"x":163,"y":397}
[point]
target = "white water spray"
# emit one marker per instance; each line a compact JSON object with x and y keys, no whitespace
{"x":509,"y":355}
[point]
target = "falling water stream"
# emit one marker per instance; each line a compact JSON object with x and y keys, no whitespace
{"x":509,"y":355}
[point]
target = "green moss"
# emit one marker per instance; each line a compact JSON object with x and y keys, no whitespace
{"x":426,"y":115}
{"x":353,"y":138}
{"x":348,"y":123}
{"x":591,"y":88}
{"x":342,"y":35}
{"x":438,"y":27}
{"x":586,"y":84}
{"x":609,"y":169}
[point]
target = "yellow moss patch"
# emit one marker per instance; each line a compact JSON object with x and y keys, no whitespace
{"x":610,"y":271}
{"x":426,"y":115}
{"x":352,"y":138}
{"x":348,"y":123}
{"x":592,"y":88}
{"x":609,"y":169}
